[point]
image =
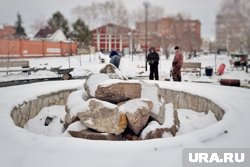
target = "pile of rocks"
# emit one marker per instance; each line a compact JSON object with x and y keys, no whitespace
{"x":116,"y":109}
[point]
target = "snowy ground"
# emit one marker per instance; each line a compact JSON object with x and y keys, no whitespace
{"x":22,"y":148}
{"x":19,"y":147}
{"x":132,"y":66}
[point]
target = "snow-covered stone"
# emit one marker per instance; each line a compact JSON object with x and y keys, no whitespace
{"x":76,"y":102}
{"x":116,"y":91}
{"x":93,"y":81}
{"x":76,"y":126}
{"x":113,"y":72}
{"x":49,"y":121}
{"x":152,"y":93}
{"x":137,"y":112}
{"x":171,"y":125}
{"x":90,"y":134}
{"x":103,"y":117}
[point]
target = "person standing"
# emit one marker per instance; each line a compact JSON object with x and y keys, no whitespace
{"x":115,"y":58}
{"x":153,"y":60}
{"x":177,"y":64}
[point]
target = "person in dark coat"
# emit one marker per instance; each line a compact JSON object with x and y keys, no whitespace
{"x":177,"y":64}
{"x":113,"y":53}
{"x":153,"y":60}
{"x":114,"y":58}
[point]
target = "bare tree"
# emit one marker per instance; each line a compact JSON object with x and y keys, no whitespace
{"x":180,"y":31}
{"x":113,"y":11}
{"x":232,"y":25}
{"x":38,"y":24}
{"x":155,"y":13}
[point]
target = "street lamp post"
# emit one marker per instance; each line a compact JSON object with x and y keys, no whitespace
{"x":146,"y":5}
{"x":131,"y":43}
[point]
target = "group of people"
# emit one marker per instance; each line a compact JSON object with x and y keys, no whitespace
{"x":153,"y":60}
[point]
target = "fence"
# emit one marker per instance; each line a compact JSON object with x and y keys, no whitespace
{"x":21,"y":48}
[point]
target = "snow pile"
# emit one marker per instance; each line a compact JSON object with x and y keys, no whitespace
{"x":77,"y":102}
{"x":191,"y":120}
{"x":48,"y":122}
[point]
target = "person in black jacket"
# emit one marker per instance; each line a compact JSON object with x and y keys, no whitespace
{"x":114,"y":58}
{"x":153,"y":60}
{"x":113,"y":53}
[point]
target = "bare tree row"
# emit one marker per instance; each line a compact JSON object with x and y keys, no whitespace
{"x":233,"y":25}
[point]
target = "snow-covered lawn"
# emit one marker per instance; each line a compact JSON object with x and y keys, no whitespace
{"x":132,"y":67}
{"x":19,"y":147}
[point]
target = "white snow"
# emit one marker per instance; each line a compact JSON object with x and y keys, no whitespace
{"x":191,"y":120}
{"x":104,"y":103}
{"x":132,"y":106}
{"x":168,"y":121}
{"x":76,"y":102}
{"x":85,"y":65}
{"x":151,"y":92}
{"x":109,"y":82}
{"x":76,"y":126}
{"x":22,"y":148}
{"x":19,"y":147}
{"x":150,"y":127}
{"x":93,"y":82}
{"x":54,"y":128}
{"x":169,"y":116}
{"x":167,"y":135}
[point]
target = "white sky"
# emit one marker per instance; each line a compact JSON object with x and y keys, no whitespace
{"x":204,"y":10}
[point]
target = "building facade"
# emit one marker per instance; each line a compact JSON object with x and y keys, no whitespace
{"x":172,"y":31}
{"x":111,"y":36}
{"x":7,"y":32}
{"x":50,"y":34}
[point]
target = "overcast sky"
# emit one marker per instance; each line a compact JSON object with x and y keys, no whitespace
{"x":30,"y":10}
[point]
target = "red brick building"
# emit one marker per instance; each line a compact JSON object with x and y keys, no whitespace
{"x":186,"y":33}
{"x":111,"y":36}
{"x":116,"y":37}
{"x":7,"y":32}
{"x":166,"y":31}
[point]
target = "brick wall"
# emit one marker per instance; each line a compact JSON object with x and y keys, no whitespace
{"x":26,"y":48}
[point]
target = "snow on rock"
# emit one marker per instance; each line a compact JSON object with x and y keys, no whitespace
{"x":116,"y":91}
{"x":76,"y":126}
{"x":116,"y":81}
{"x":168,"y":128}
{"x":152,"y":93}
{"x":49,"y":121}
{"x":137,"y":112}
{"x":113,"y":72}
{"x":81,"y":72}
{"x":76,"y":102}
{"x":93,"y":81}
{"x":92,"y":135}
{"x":103,"y":117}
